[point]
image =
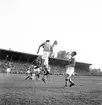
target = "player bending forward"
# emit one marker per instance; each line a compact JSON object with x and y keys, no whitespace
{"x":33,"y":73}
{"x":70,"y":70}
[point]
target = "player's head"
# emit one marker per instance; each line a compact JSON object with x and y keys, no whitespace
{"x":73,"y":53}
{"x":47,"y":40}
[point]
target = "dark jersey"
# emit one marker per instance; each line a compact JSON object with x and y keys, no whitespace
{"x":72,"y":62}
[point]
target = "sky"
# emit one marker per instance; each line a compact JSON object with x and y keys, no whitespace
{"x":75,"y":24}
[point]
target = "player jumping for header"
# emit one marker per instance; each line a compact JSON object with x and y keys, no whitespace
{"x":47,"y":50}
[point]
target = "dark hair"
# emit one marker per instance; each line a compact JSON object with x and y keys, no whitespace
{"x":75,"y":53}
{"x":47,"y":40}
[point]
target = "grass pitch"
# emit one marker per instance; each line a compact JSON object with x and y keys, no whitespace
{"x":15,"y":90}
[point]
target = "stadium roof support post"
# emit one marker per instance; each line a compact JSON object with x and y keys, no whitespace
{"x":11,"y":58}
{"x":20,"y":58}
{"x":6,"y":57}
{"x":28,"y":60}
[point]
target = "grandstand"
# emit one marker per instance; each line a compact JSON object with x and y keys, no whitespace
{"x":21,"y":58}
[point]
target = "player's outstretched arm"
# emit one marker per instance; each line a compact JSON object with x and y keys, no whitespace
{"x":54,"y":43}
{"x":40,"y":47}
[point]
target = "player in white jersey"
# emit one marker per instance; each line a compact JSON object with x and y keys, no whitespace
{"x":47,"y":49}
{"x":70,"y":69}
{"x":9,"y":67}
{"x":8,"y":70}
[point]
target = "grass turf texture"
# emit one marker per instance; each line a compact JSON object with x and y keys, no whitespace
{"x":14,"y":90}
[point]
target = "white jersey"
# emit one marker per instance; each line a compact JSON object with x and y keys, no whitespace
{"x":8,"y":70}
{"x":47,"y":47}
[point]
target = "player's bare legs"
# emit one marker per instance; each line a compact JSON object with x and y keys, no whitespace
{"x":68,"y":79}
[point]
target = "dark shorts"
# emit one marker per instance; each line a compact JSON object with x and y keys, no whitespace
{"x":45,"y":71}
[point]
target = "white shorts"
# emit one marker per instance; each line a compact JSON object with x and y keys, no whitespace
{"x":37,"y":70}
{"x":33,"y":76}
{"x":45,"y":56}
{"x":28,"y":72}
{"x":70,"y":71}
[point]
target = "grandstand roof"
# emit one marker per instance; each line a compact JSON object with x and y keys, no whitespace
{"x":29,"y":58}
